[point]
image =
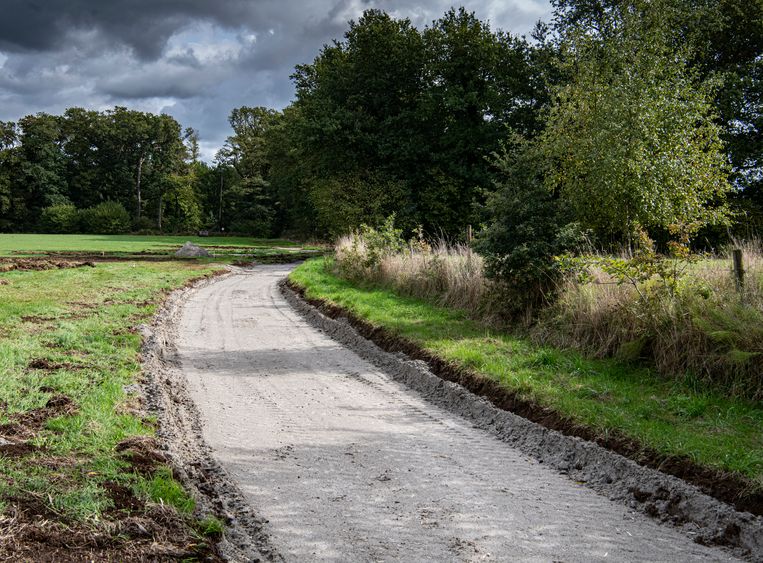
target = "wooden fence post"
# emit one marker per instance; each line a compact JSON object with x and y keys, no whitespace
{"x":469,"y":234}
{"x":738,"y":269}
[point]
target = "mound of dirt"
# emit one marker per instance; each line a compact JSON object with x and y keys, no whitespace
{"x":142,"y":452}
{"x":190,"y":250}
{"x":33,"y":264}
{"x":26,"y":424}
{"x":15,"y":449}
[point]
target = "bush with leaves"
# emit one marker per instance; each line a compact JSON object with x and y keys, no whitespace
{"x":60,"y":218}
{"x":360,"y":253}
{"x":632,"y":140}
{"x":529,"y":228}
{"x":105,"y":218}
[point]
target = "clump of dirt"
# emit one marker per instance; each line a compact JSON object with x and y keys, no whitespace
{"x":123,"y":498}
{"x":26,"y":424}
{"x":4,"y":282}
{"x":16,"y":449}
{"x":35,"y":264}
{"x":124,"y":331}
{"x":37,"y":319}
{"x":48,"y":365}
{"x":143,"y":453}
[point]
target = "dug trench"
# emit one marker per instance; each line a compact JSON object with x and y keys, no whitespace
{"x":717,"y":506}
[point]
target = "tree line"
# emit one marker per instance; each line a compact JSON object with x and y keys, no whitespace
{"x":618,"y":118}
{"x":111,"y":172}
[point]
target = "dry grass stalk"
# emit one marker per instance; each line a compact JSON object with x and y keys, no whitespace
{"x":450,"y":275}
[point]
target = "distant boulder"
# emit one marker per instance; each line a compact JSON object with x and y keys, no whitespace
{"x":190,"y":250}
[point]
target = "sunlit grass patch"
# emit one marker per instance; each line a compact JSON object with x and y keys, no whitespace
{"x":68,"y":351}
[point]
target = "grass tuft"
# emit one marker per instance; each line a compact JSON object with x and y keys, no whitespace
{"x":162,"y":488}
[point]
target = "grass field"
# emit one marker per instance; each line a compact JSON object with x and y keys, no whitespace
{"x":29,"y":244}
{"x":675,"y":418}
{"x":69,"y":455}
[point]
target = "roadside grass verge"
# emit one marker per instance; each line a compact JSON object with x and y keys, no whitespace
{"x":81,"y":476}
{"x":672,"y":421}
{"x":127,"y":245}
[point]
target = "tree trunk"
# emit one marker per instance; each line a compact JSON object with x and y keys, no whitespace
{"x":159,"y":214}
{"x":137,"y":187}
{"x":220,"y":211}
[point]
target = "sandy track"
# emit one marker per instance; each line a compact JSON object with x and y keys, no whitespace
{"x":346,"y":464}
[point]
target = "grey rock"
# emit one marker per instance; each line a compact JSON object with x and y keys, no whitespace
{"x":190,"y":250}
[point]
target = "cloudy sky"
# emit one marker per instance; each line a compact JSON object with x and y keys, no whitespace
{"x":193,"y":59}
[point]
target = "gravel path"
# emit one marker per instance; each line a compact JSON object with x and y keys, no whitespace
{"x":346,"y":464}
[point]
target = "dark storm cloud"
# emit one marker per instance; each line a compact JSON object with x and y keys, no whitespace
{"x":144,"y":25}
{"x":194,"y":59}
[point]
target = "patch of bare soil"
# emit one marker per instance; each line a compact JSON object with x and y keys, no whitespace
{"x":143,"y":453}
{"x":37,"y":264}
{"x":96,"y":257}
{"x":16,"y":449}
{"x":48,"y":365}
{"x":131,"y":530}
{"x":30,"y":530}
{"x":25,"y":425}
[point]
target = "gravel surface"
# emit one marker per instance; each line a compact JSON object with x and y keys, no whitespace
{"x":341,"y":462}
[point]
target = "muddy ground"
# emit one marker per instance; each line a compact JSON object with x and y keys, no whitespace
{"x":312,"y":450}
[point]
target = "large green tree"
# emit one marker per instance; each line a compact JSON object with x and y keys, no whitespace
{"x":725,"y":43}
{"x":402,"y":120}
{"x":85,"y":158}
{"x":247,"y":203}
{"x":631,"y":139}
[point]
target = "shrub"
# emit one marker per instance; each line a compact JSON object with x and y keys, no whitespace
{"x":108,"y":217}
{"x":359,"y":254}
{"x":60,"y":218}
{"x":696,"y":323}
{"x":529,"y":228}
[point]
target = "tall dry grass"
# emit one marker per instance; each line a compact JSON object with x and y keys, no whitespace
{"x":449,"y":275}
{"x":705,"y":327}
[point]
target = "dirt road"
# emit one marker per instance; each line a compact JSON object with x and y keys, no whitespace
{"x":346,"y":464}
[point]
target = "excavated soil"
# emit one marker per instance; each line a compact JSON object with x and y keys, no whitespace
{"x":318,"y":445}
{"x":130,"y":532}
{"x":30,"y":530}
{"x":36,"y":264}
